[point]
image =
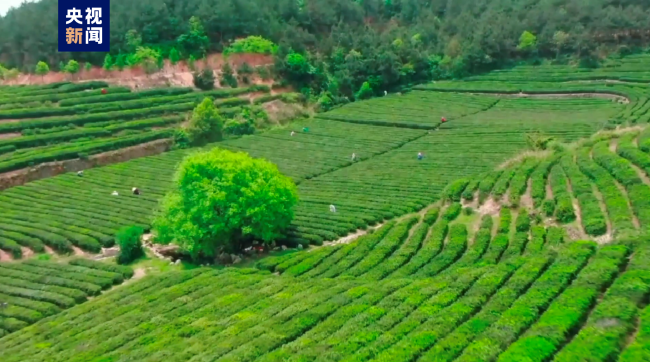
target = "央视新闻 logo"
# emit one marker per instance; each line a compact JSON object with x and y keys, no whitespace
{"x":84,"y":26}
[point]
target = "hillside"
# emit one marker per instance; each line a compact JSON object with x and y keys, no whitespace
{"x":520,"y":236}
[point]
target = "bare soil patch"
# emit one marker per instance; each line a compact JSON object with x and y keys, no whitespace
{"x":549,"y":189}
{"x":280,"y":112}
{"x":352,"y":237}
{"x":49,"y":250}
{"x":77,"y":251}
{"x":6,"y":136}
{"x":527,"y":197}
{"x":490,"y":207}
{"x":27,"y":252}
{"x":10,"y":120}
{"x":139,"y":273}
{"x":170,"y":75}
{"x":473,"y":203}
{"x":4,"y":256}
{"x":613,"y":144}
{"x":642,"y":175}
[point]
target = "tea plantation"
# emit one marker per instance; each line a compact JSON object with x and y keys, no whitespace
{"x":64,"y":121}
{"x":520,"y":236}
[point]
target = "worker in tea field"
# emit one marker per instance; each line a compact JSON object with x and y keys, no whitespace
{"x":292,"y":133}
{"x":443,"y":119}
{"x":354,"y":156}
{"x":115,"y":193}
{"x":135,"y":191}
{"x":420,"y":156}
{"x":80,"y":173}
{"x":305,"y":129}
{"x":332,"y":208}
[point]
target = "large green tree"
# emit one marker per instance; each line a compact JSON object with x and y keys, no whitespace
{"x":224,"y":200}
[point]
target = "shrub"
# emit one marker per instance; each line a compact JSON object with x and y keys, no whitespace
{"x":129,"y":240}
{"x":548,"y":206}
{"x":523,"y":222}
{"x":452,"y":212}
{"x":204,"y":79}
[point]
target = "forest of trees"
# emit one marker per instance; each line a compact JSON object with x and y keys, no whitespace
{"x":348,"y":48}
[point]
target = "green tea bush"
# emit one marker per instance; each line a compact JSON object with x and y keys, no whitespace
{"x":129,"y":239}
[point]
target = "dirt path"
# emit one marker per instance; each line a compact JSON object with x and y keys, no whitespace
{"x":139,"y":273}
{"x":609,"y":235}
{"x":613,"y":145}
{"x":642,"y":175}
{"x":77,"y":251}
{"x":49,"y":250}
{"x":4,"y":256}
{"x":473,"y":203}
{"x":576,"y":210}
{"x":352,"y":237}
{"x":527,"y":198}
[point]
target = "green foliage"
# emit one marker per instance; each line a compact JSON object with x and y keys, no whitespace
{"x":108,"y":62}
{"x":252,"y":44}
{"x":206,"y":124}
{"x":204,"y":79}
{"x":505,"y":220}
{"x":174,"y":56}
{"x":133,"y":40}
{"x":453,"y":191}
{"x":523,"y":221}
{"x":452,"y":212}
{"x":120,"y":61}
{"x":42,"y":68}
{"x":146,"y":57}
{"x":228,"y":76}
{"x":222,"y":200}
{"x":194,"y":42}
{"x":128,"y":239}
{"x":548,"y":207}
{"x":72,"y":67}
{"x":527,"y":42}
{"x":88,"y":66}
{"x":364,"y":92}
{"x":191,"y":63}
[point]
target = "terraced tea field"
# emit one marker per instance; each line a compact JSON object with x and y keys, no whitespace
{"x":470,"y":258}
{"x":422,"y":288}
{"x":37,"y":289}
{"x":67,"y":121}
{"x":387,"y":180}
{"x":600,"y":188}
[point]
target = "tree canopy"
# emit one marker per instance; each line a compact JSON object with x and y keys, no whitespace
{"x":224,"y":200}
{"x":331,"y":47}
{"x":206,"y":124}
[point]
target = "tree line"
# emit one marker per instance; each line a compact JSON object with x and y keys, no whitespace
{"x":346,"y":49}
